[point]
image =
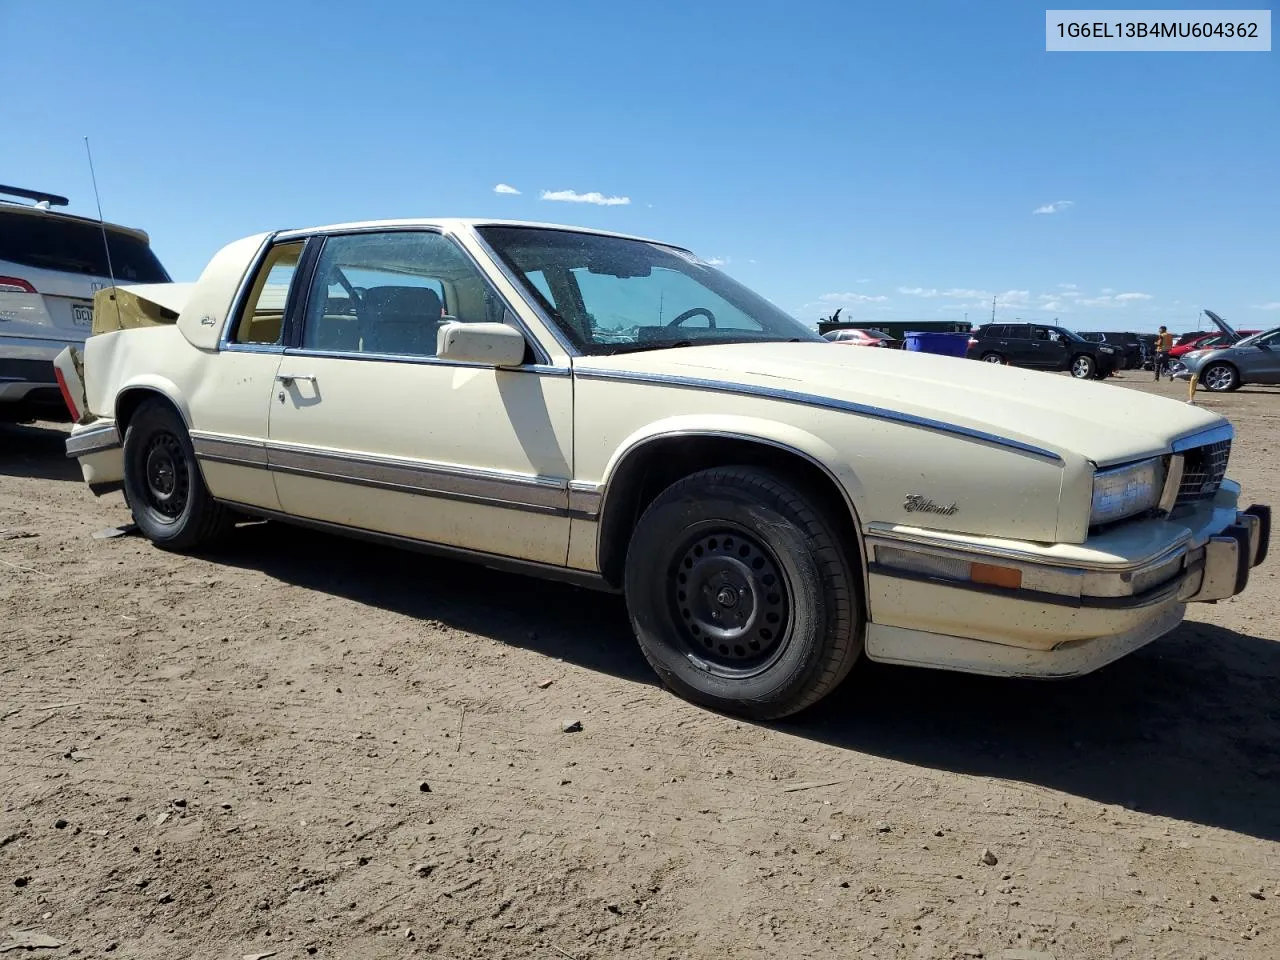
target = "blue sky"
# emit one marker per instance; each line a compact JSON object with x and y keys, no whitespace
{"x":884,"y":157}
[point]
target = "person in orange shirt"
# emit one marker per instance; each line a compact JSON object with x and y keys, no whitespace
{"x":1164,"y":343}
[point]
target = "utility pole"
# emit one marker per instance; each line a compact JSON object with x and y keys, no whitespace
{"x":993,"y":309}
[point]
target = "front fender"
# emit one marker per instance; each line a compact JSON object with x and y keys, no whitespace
{"x":771,"y":432}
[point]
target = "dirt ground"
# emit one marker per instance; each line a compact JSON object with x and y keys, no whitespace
{"x":307,"y":746}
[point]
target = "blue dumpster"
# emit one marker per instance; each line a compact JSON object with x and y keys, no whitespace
{"x":944,"y":344}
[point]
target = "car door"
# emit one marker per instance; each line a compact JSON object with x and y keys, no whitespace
{"x":1049,"y":346}
{"x":369,"y":429}
{"x":1018,"y":346}
{"x":1260,"y":361}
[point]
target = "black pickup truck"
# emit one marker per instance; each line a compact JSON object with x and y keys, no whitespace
{"x":1039,"y":346}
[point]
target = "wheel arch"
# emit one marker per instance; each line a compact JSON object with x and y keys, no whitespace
{"x":134,"y":393}
{"x":648,"y":463}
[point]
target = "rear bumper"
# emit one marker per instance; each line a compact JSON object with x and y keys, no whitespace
{"x":98,"y":447}
{"x":1067,"y":618}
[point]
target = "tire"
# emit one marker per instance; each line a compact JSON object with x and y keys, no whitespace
{"x":1083,"y":367}
{"x":740,"y":594}
{"x":1220,"y":377}
{"x":992,"y":358}
{"x":163,"y":485}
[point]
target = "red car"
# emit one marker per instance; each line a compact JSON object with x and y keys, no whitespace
{"x":1206,"y":340}
{"x":861,"y":337}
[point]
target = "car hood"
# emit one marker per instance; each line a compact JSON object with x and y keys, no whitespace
{"x":1096,"y":421}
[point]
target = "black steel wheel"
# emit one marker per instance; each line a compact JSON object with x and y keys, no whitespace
{"x":742,"y":594}
{"x":162,"y":483}
{"x":732,"y":600}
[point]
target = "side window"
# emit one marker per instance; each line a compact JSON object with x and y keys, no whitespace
{"x":261,"y":318}
{"x":389,"y":293}
{"x":1018,"y":331}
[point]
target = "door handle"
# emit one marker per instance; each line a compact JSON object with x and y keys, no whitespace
{"x":288,"y":378}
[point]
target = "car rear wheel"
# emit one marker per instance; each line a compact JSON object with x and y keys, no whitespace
{"x":162,"y":482}
{"x":742,"y":595}
{"x":1220,"y":377}
{"x":992,"y":358}
{"x":1083,"y":367}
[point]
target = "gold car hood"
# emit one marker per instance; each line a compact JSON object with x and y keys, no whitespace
{"x":1094,"y":420}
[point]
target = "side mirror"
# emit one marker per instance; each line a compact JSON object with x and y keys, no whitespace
{"x":493,"y":344}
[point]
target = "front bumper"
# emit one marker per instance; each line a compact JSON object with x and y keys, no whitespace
{"x":1076,"y":608}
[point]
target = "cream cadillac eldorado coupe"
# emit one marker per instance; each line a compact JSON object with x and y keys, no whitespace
{"x":615,"y":412}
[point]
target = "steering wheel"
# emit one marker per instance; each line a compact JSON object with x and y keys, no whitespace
{"x":695,"y":312}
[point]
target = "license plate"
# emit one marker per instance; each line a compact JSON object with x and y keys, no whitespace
{"x":82,"y":314}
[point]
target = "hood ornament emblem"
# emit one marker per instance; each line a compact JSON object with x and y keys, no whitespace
{"x":918,"y":504}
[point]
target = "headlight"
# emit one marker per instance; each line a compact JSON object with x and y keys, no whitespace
{"x":1123,"y":491}
{"x":1106,"y":349}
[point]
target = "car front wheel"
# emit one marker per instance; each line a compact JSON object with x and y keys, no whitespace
{"x":162,"y":482}
{"x":1220,"y":377}
{"x":992,"y":358}
{"x":741,"y":594}
{"x":1083,"y":367}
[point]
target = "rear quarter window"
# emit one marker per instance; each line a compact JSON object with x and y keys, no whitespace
{"x":72,"y":246}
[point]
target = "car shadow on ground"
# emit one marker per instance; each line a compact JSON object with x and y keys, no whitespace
{"x":37,"y":451}
{"x":1188,"y":727}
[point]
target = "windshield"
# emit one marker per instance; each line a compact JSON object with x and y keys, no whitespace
{"x":1074,"y":337}
{"x":611,"y":295}
{"x":871,"y":331}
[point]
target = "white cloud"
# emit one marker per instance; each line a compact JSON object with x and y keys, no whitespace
{"x":1055,"y":207}
{"x":1051,"y":305}
{"x":572,"y":196}
{"x":918,"y":291}
{"x":1097,"y":302}
{"x":1108,"y":290}
{"x":851,"y":298}
{"x":506,"y":188}
{"x":1126,"y":297}
{"x":716,"y":261}
{"x":1270,"y":305}
{"x":863,"y":280}
{"x":1014,"y":298}
{"x":966,"y":293}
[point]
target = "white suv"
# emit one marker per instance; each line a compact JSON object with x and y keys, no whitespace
{"x":51,"y":265}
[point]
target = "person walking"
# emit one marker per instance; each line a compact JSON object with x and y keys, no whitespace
{"x":1164,"y":343}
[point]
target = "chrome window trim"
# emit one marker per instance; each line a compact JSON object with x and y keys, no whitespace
{"x":1223,"y":431}
{"x":542,"y":358}
{"x":815,"y":400}
{"x":95,"y":439}
{"x":538,"y":368}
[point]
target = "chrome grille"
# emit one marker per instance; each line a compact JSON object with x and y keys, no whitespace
{"x":1203,"y":471}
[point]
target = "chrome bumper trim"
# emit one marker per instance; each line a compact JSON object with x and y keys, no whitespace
{"x":94,"y":439}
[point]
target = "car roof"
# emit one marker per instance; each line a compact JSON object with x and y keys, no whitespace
{"x":22,"y":209}
{"x":453,"y":223}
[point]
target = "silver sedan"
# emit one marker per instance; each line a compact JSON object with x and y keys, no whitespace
{"x":1255,"y":359}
